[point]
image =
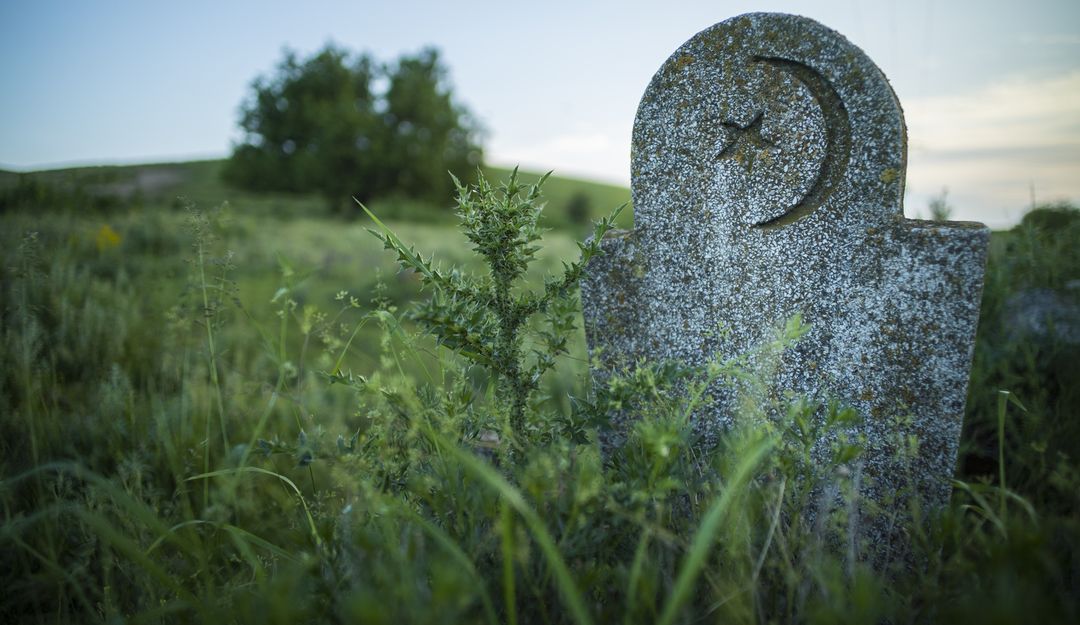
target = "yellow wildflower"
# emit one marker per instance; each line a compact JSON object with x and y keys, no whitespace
{"x":107,"y":238}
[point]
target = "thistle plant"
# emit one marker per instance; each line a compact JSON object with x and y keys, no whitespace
{"x":488,"y":318}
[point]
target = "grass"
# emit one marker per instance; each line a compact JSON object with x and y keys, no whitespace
{"x":228,"y":416}
{"x":116,"y":188}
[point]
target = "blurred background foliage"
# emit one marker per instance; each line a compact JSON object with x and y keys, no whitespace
{"x":346,"y":125}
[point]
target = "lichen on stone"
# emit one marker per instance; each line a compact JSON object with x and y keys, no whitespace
{"x":891,"y":303}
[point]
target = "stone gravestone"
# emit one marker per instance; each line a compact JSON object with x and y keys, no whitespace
{"x":768,"y":168}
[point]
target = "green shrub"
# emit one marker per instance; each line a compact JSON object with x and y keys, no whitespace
{"x":1032,"y":280}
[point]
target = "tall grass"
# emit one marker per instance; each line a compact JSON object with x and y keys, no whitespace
{"x":240,"y":447}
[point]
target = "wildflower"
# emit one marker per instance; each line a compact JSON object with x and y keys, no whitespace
{"x":107,"y":238}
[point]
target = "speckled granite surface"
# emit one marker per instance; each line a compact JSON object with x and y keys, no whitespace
{"x":768,"y":168}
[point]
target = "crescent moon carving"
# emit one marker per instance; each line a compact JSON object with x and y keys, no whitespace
{"x":837,"y":141}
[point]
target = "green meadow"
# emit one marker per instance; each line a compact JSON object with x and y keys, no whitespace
{"x":223,"y":406}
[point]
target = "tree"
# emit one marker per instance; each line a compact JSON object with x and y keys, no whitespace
{"x":940,"y":210}
{"x":428,"y":136}
{"x":319,"y":125}
{"x":579,"y":208}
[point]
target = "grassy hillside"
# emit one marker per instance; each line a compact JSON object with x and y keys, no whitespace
{"x":572,"y":203}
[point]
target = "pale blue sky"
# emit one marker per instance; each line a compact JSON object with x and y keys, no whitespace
{"x":991,"y":89}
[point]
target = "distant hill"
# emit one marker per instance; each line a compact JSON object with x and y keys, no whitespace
{"x":572,"y":202}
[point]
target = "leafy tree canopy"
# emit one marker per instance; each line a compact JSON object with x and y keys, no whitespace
{"x":347,"y":126}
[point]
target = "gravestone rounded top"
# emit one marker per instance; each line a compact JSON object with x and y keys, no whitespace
{"x":768,"y":175}
{"x":763,"y":121}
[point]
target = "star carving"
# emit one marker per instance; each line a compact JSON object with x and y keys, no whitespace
{"x":746,"y":143}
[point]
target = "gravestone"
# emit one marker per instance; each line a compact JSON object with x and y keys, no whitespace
{"x":768,"y":166}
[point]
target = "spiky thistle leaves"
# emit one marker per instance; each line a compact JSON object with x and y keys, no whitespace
{"x":488,"y":318}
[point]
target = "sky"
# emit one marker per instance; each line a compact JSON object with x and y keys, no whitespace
{"x":990,"y":89}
